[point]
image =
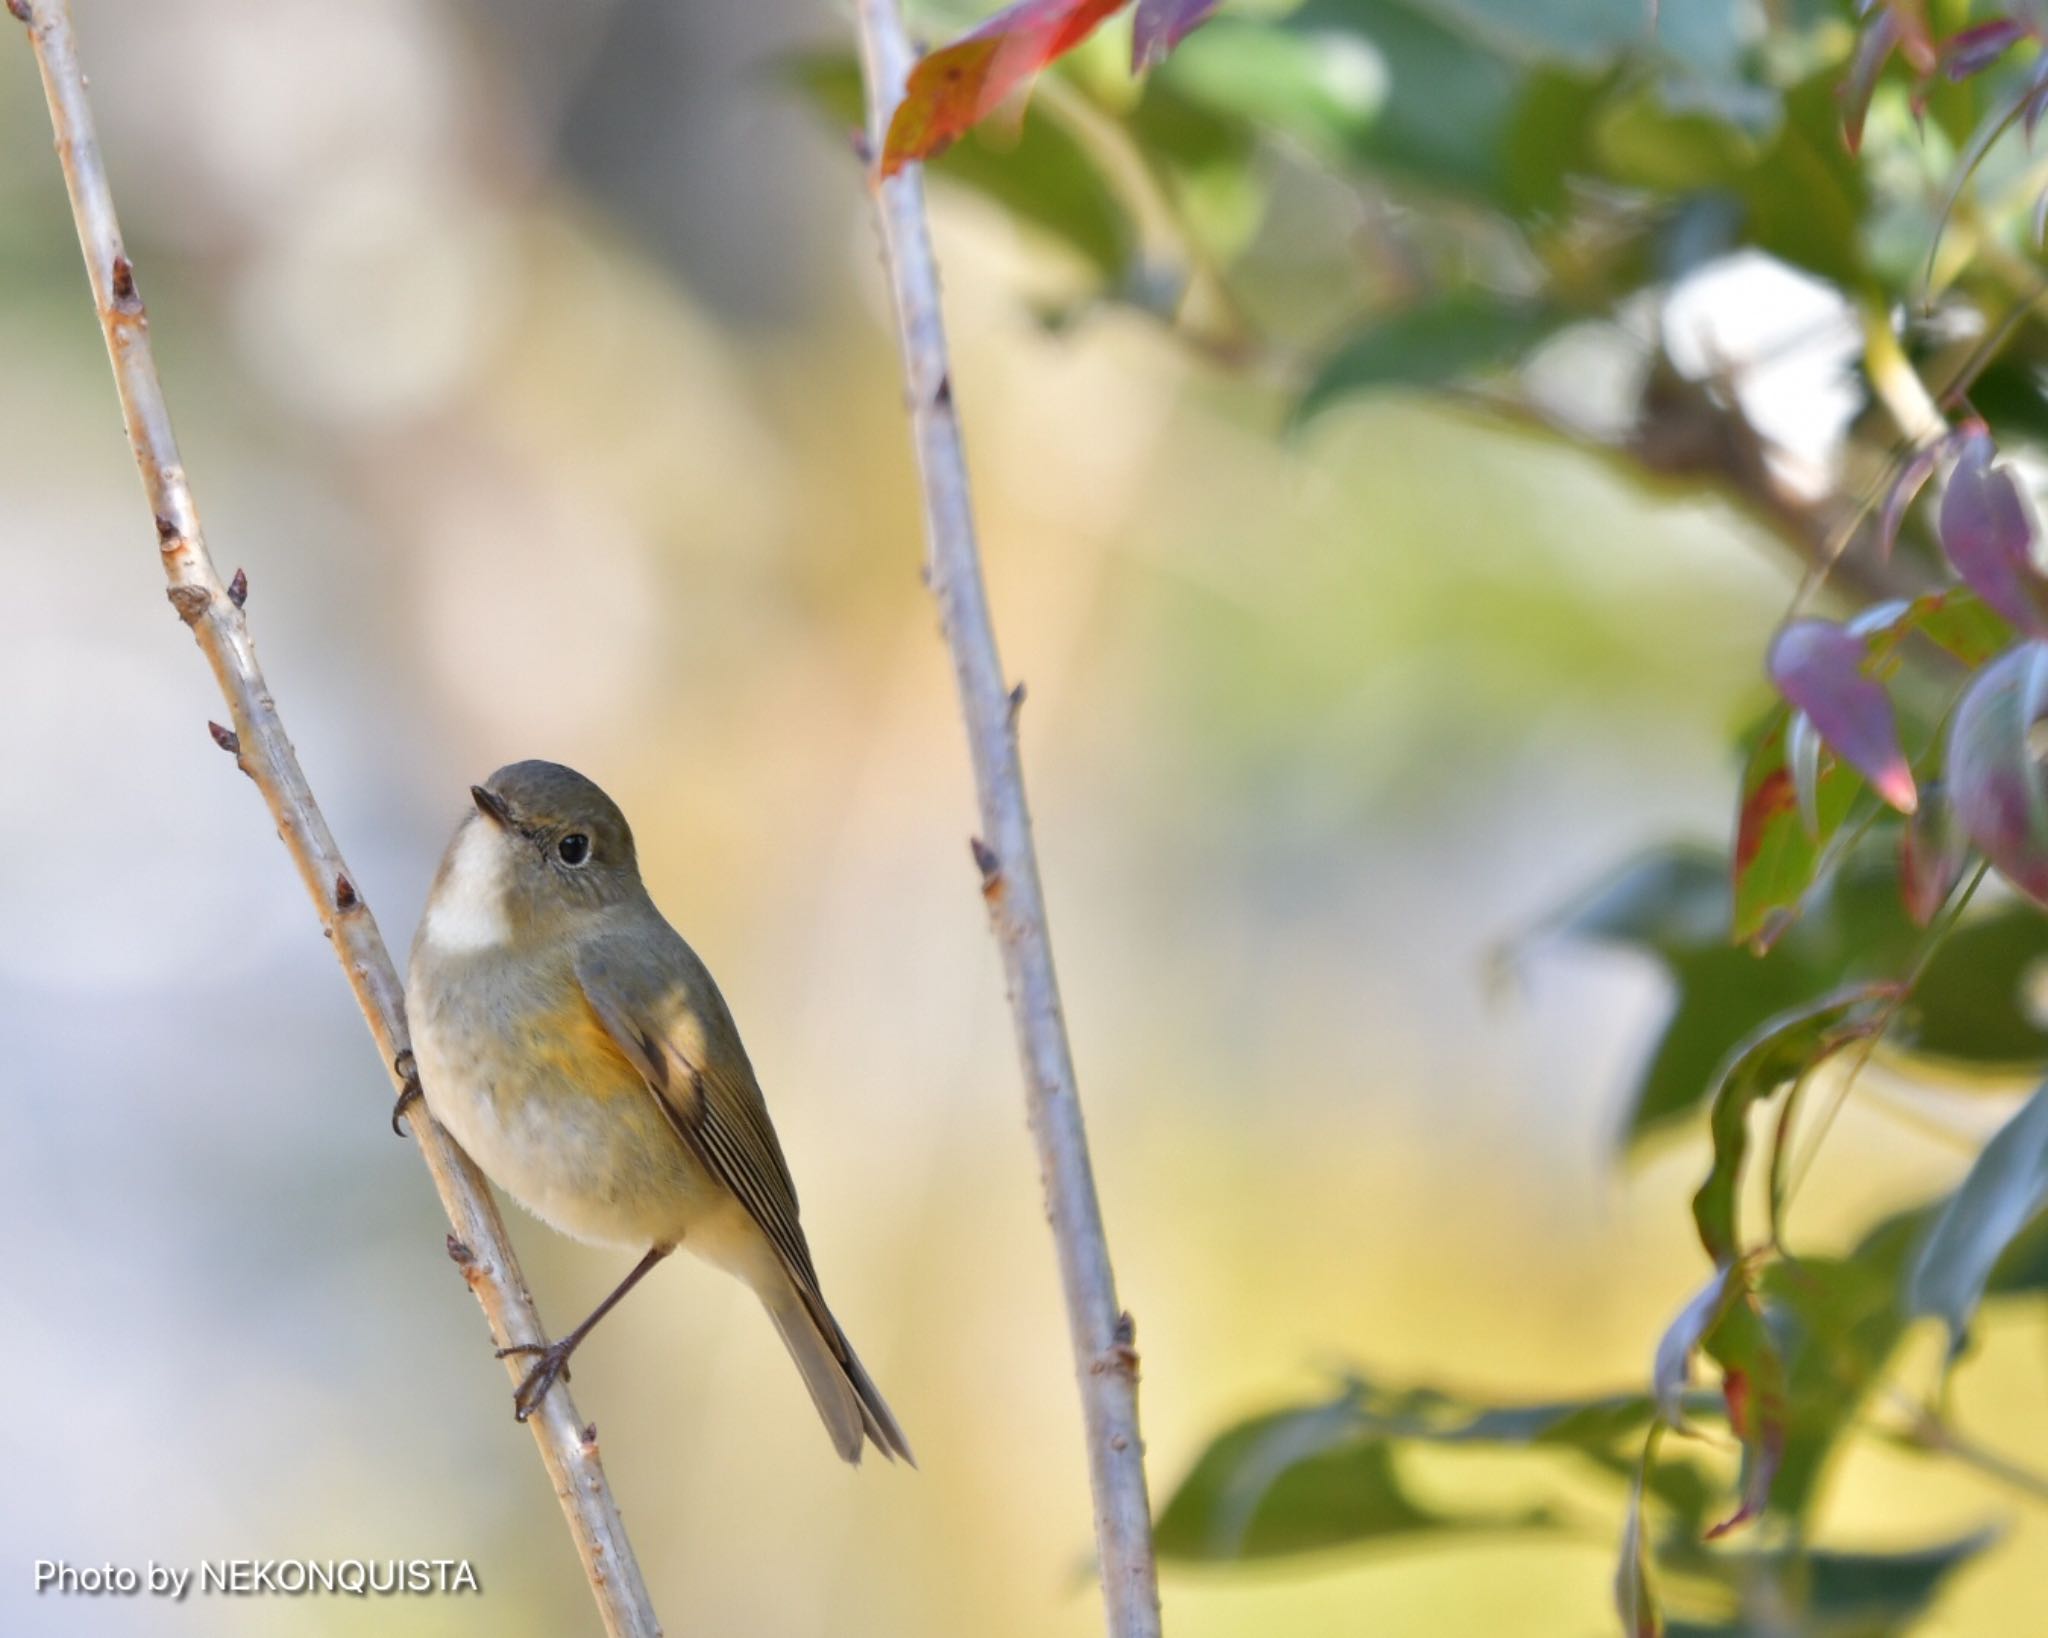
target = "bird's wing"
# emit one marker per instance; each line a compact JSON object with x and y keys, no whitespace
{"x":669,"y":1020}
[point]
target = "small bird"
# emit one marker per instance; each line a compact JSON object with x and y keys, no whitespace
{"x":575,"y":1046}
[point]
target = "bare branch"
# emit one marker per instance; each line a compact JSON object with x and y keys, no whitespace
{"x":213,"y":610}
{"x":1105,"y":1359}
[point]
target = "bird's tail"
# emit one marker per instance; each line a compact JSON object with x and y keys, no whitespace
{"x":846,"y":1396}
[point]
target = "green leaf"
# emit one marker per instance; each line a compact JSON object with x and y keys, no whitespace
{"x":2023,"y":1270}
{"x":1886,"y":1588}
{"x":1282,"y":81}
{"x":2005,"y":1190}
{"x":1642,"y":141}
{"x":1448,"y":97}
{"x":1043,"y":176}
{"x":1589,"y":33}
{"x":1463,"y":76}
{"x":1805,"y":198}
{"x":1294,"y":1482}
{"x":1753,"y":1384}
{"x":1635,"y":1599}
{"x":1671,"y":1369}
{"x":1548,"y":143}
{"x":1455,"y":335}
{"x":1885,"y":1252}
{"x":1776,"y":851}
{"x":1582,"y":1424}
{"x":1785,"y":1048}
{"x":1831,"y":1594}
{"x":1837,"y":1322}
{"x":1970,"y":1007}
{"x":1724,"y":1321}
{"x":1955,"y":619}
{"x":1328,"y":1475}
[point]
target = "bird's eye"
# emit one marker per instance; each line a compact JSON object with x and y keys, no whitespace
{"x":574,"y":848}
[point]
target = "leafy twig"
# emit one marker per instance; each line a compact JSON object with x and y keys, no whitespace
{"x":213,"y":609}
{"x":1105,"y":1360}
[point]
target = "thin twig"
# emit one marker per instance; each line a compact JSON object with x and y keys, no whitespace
{"x":213,"y":610}
{"x":1926,"y":1429}
{"x":1105,"y":1361}
{"x":1930,"y":946}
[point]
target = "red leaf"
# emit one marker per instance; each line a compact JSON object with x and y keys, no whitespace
{"x":1996,"y":782}
{"x":1724,"y":1321}
{"x":1774,"y":795}
{"x":1977,"y":48}
{"x":1161,"y":25}
{"x":1932,"y":852}
{"x":955,"y":86}
{"x":1987,"y":536}
{"x":1753,"y":1385}
{"x":1818,"y":666}
{"x":1781,"y":835}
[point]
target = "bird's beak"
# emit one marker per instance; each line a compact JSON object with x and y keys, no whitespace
{"x":492,"y":806}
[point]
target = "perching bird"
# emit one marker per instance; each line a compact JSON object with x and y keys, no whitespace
{"x":575,"y":1046}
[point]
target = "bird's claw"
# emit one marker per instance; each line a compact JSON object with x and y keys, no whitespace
{"x":407,"y":1069}
{"x":551,"y":1366}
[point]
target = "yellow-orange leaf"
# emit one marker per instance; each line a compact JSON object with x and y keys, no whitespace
{"x":953,"y":87}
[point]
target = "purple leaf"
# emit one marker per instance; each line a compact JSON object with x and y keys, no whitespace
{"x":1916,"y":40}
{"x":1987,"y":536}
{"x":1996,"y":783}
{"x":1932,"y":851}
{"x":1873,"y":50}
{"x":1161,"y":25}
{"x":1911,"y":480}
{"x":1818,"y":666}
{"x":1977,"y":48}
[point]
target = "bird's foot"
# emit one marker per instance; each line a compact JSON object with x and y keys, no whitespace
{"x":551,"y":1364}
{"x":407,"y":1069}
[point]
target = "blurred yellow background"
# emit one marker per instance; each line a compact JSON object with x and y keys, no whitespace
{"x":533,"y":361}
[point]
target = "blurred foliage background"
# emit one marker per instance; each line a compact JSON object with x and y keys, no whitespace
{"x":1399,"y":428}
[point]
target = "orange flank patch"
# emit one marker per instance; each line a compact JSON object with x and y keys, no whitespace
{"x":573,"y":1043}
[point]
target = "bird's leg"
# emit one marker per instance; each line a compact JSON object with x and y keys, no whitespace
{"x":407,"y":1069}
{"x":554,"y":1357}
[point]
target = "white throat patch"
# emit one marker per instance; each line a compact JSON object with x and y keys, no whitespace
{"x":468,"y":912}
